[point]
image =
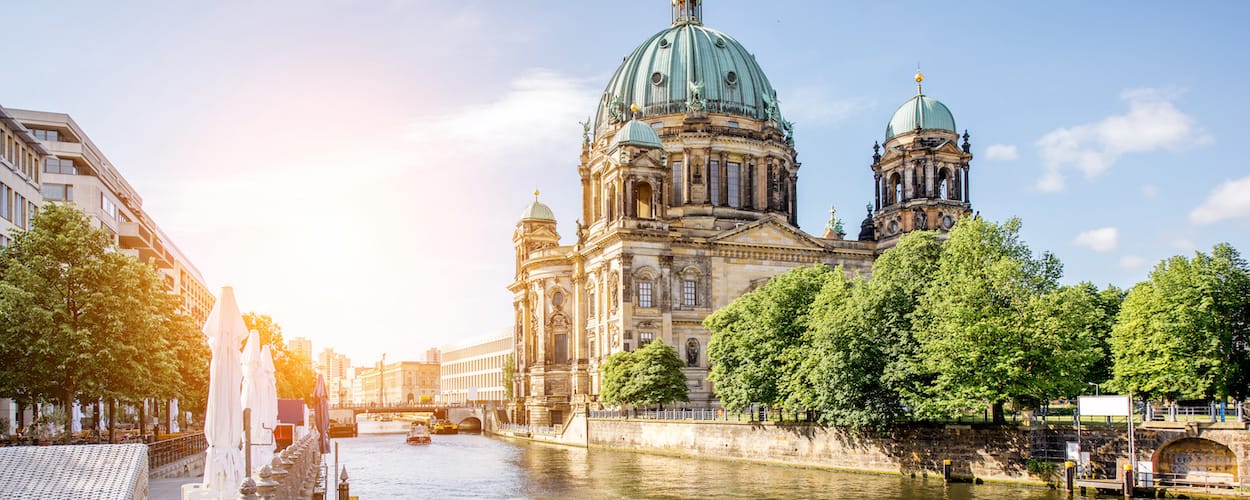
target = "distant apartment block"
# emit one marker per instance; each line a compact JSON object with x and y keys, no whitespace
{"x":301,"y":346}
{"x":397,"y":383}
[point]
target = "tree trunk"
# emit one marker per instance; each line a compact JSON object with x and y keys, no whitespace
{"x":21,"y":413}
{"x":112,"y":421}
{"x":997,"y":410}
{"x":169,"y":416}
{"x":67,"y":405}
{"x":142,"y":416}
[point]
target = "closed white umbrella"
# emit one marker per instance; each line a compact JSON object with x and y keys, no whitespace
{"x":267,"y":410}
{"x":173,"y":417}
{"x":254,"y":397}
{"x":223,"y":423}
{"x":75,"y":425}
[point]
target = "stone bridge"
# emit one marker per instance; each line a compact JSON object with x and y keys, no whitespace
{"x":469,"y":418}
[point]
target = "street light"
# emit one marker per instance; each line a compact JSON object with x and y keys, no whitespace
{"x":1095,"y":387}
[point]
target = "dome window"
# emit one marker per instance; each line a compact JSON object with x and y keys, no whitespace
{"x":731,"y":78}
{"x":720,"y":42}
{"x":657,"y":78}
{"x":663,"y":43}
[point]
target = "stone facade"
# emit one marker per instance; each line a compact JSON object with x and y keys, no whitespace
{"x":981,"y":452}
{"x":689,"y":200}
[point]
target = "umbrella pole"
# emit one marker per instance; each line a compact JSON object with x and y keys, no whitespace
{"x":247,"y":440}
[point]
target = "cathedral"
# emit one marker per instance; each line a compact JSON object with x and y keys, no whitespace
{"x":688,"y":180}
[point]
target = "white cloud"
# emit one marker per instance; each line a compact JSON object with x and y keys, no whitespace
{"x":1149,"y":191}
{"x":1229,"y":200}
{"x":1100,"y":240}
{"x":539,"y":107}
{"x":1132,"y":262}
{"x":1152,"y":123}
{"x":816,"y":105}
{"x":1001,"y":152}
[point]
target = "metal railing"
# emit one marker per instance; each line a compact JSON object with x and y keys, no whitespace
{"x":168,"y":451}
{"x":530,"y":429}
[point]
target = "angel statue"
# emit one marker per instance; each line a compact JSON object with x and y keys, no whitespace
{"x":695,"y":101}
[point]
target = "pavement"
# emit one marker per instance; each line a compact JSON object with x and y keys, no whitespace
{"x":169,"y":488}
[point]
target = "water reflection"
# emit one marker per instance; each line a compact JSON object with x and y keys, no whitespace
{"x":466,"y":466}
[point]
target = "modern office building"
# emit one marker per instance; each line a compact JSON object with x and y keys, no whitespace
{"x":21,"y":154}
{"x":688,"y":178}
{"x":74,"y":170}
{"x":337,"y":370}
{"x":472,"y":371}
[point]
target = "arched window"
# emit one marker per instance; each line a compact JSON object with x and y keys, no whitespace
{"x":943,"y":184}
{"x":642,"y":200}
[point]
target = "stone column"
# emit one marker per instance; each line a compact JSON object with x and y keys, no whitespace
{"x":876,"y":187}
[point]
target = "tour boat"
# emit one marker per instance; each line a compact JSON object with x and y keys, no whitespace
{"x":445,"y":427}
{"x":418,"y":434}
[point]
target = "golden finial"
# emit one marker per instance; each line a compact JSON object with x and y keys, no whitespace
{"x":535,"y":194}
{"x":919,"y":78}
{"x":633,"y":107}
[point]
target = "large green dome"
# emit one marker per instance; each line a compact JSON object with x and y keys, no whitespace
{"x":920,"y":112}
{"x":661,"y":74}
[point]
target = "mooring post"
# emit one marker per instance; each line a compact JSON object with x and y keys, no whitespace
{"x":946,"y":470}
{"x":1128,"y":480}
{"x":1069,"y":475}
{"x":343,"y":487}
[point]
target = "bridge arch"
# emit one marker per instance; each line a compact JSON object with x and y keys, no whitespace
{"x":470,"y":425}
{"x":1196,"y":459}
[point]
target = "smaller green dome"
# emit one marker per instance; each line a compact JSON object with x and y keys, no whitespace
{"x":921,"y":112}
{"x":636,"y":133}
{"x":538,"y":211}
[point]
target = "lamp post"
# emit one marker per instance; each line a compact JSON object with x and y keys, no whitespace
{"x":1095,"y":387}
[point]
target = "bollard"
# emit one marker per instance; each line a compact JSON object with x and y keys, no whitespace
{"x":247,"y":490}
{"x":946,"y":470}
{"x":1069,"y":475}
{"x":266,"y":487}
{"x":343,"y":486}
{"x":1128,"y":481}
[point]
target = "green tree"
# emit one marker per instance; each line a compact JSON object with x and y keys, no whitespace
{"x":509,"y":377}
{"x":757,"y":339}
{"x":989,"y":330}
{"x":294,"y":373}
{"x":862,"y":364}
{"x":651,"y":375}
{"x":1183,"y":333}
{"x":80,"y":321}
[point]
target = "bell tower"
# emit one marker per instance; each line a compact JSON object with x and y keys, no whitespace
{"x":920,"y":173}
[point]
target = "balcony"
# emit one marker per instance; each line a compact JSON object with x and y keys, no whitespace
{"x":134,"y":236}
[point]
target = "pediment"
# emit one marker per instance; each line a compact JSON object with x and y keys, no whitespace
{"x":771,"y":232}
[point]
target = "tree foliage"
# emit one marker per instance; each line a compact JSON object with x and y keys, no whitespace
{"x":757,"y":339}
{"x":1185,"y":332}
{"x":79,"y":320}
{"x":294,"y":373}
{"x":993,"y":325}
{"x":651,"y":375}
{"x":862,"y":362}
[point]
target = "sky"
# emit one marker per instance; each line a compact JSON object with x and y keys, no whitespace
{"x":355,"y":169}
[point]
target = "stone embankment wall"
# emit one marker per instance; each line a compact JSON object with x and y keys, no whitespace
{"x":981,"y":452}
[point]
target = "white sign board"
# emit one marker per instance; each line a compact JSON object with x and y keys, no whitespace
{"x":1103,"y":406}
{"x":1073,"y":451}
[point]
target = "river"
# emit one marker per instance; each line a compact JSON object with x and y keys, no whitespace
{"x":473,"y":466}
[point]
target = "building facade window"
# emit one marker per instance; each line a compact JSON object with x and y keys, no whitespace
{"x":57,"y":192}
{"x":4,"y":241}
{"x":688,"y":295}
{"x":6,"y":202}
{"x":644,"y":294}
{"x":731,"y":178}
{"x":645,"y":338}
{"x":713,"y":185}
{"x":59,"y":166}
{"x":677,"y":183}
{"x":108,"y":206}
{"x":46,"y":135}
